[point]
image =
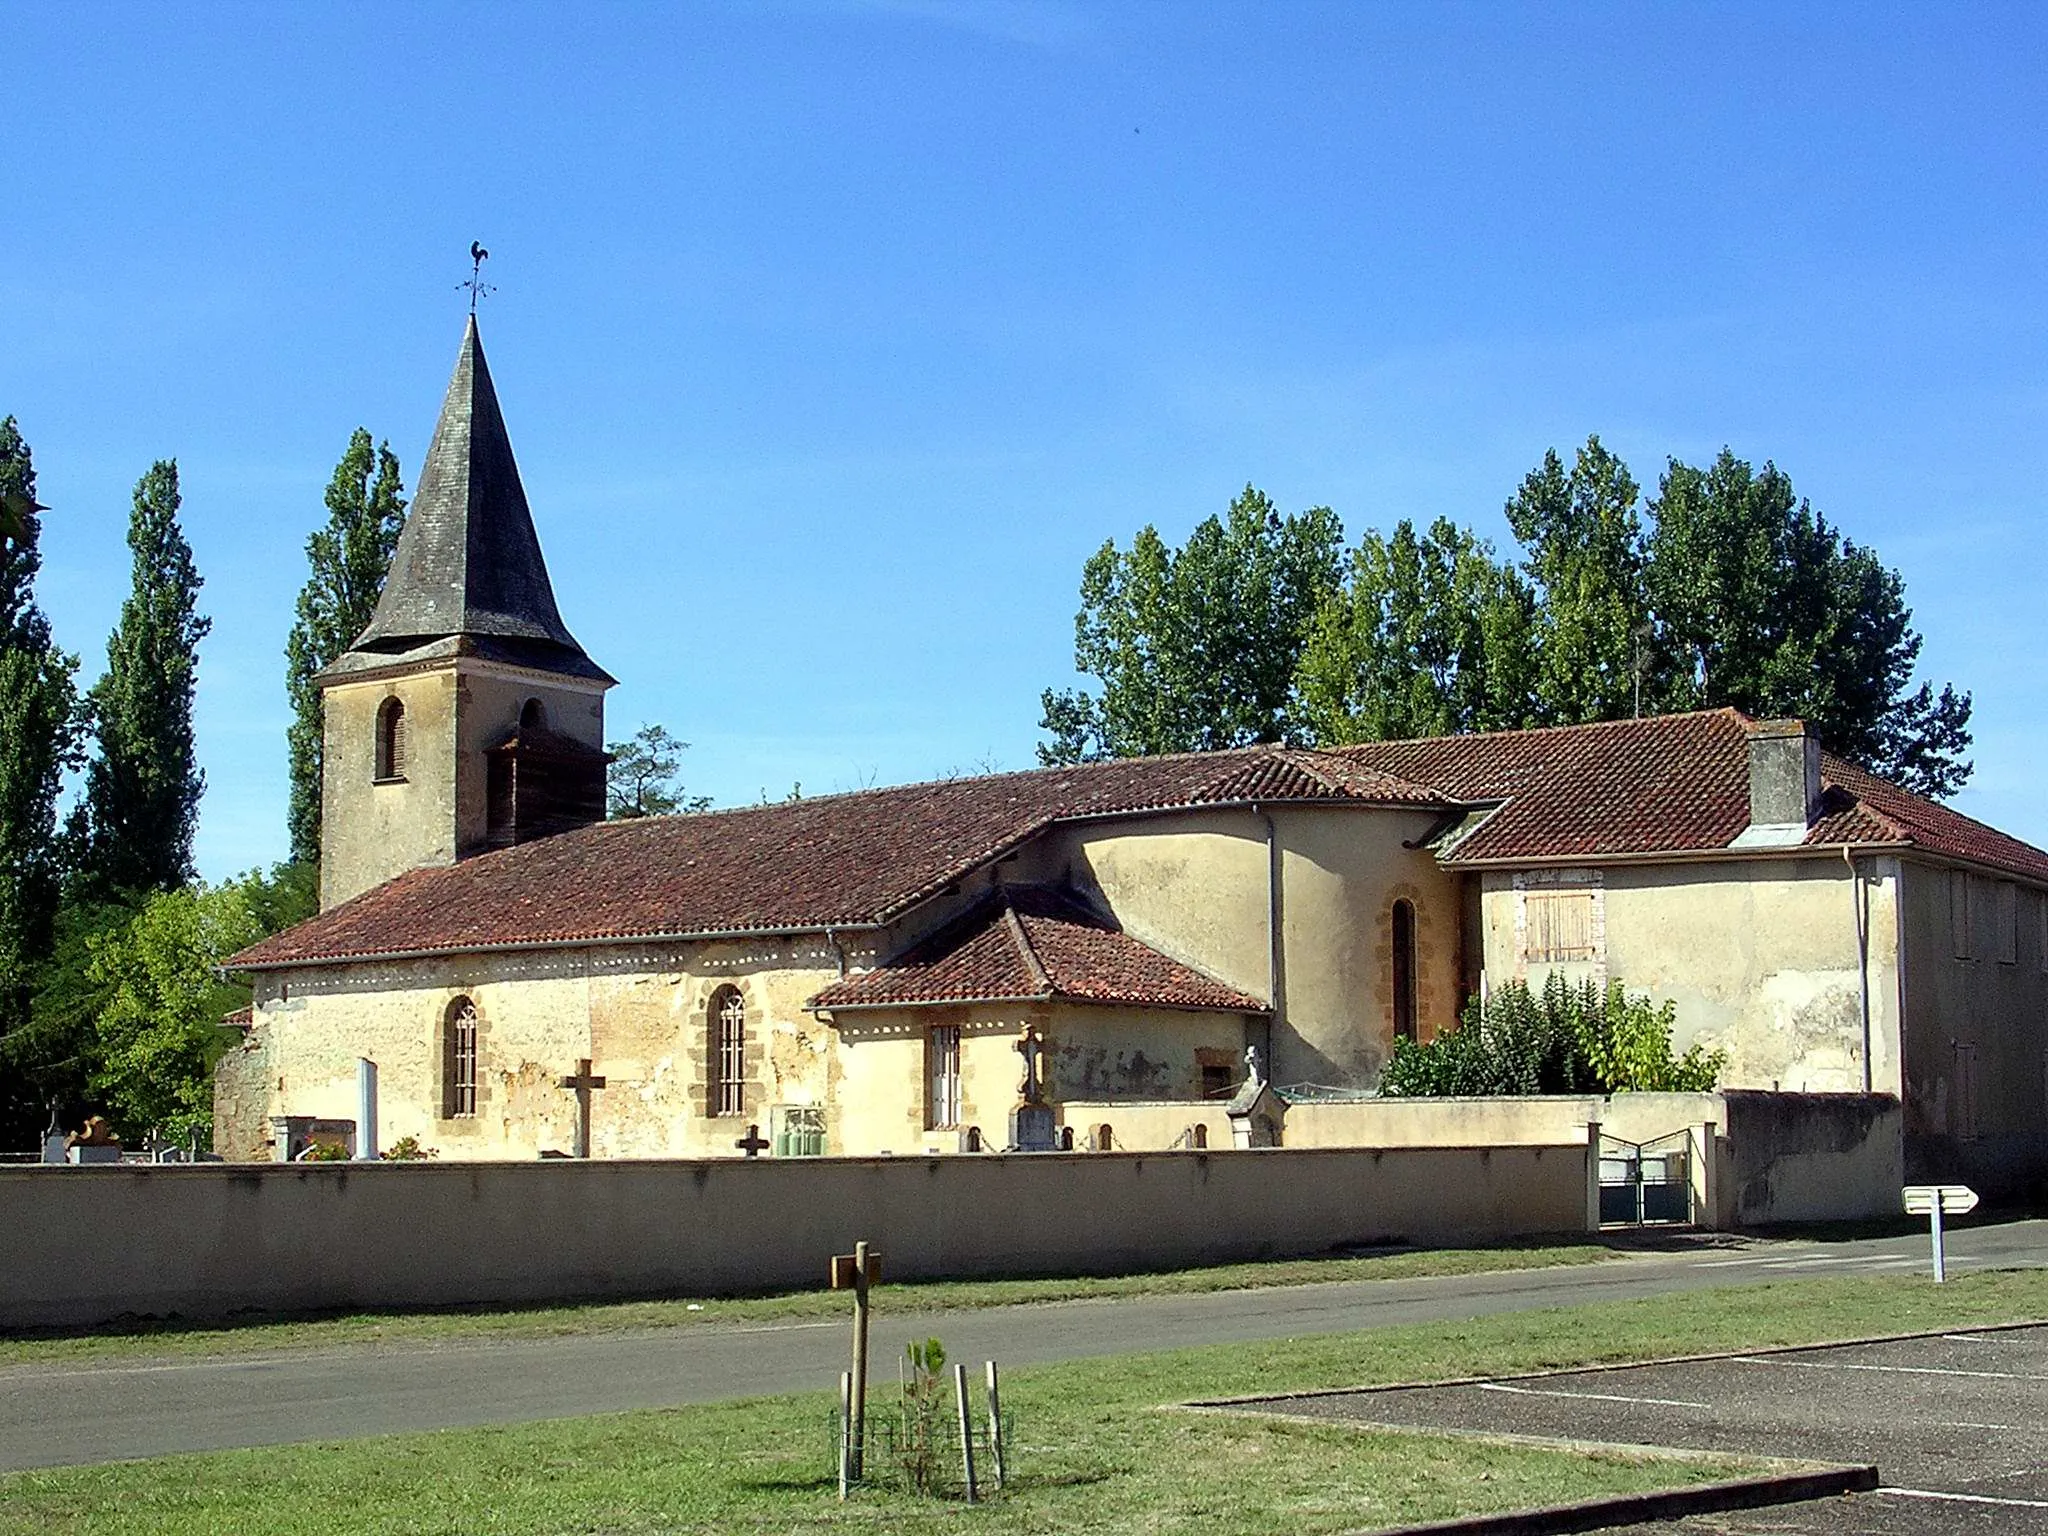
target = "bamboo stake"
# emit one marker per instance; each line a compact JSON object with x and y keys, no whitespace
{"x":995,"y":1423}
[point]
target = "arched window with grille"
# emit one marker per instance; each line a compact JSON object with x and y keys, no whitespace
{"x":1404,"y":970}
{"x":458,"y":1060}
{"x":728,"y":1042}
{"x":390,"y":740}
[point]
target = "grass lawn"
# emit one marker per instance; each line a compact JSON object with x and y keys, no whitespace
{"x":191,"y":1339}
{"x":1093,"y":1450}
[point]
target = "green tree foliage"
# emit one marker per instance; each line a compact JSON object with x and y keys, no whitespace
{"x":1582,"y":542}
{"x":158,"y":1029}
{"x":1195,"y":648}
{"x":143,"y":785}
{"x":157,"y":996}
{"x":1430,"y":637}
{"x":348,"y":560}
{"x":38,"y":741}
{"x":1567,"y":1039}
{"x":1761,"y":604}
{"x":645,"y":776}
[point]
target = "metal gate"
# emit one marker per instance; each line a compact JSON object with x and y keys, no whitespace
{"x":1646,"y":1183}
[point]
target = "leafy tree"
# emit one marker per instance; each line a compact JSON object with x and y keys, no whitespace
{"x":1583,"y":551}
{"x":1568,"y":1039}
{"x":158,"y":1028}
{"x":142,"y":785}
{"x":349,"y":559}
{"x":157,"y":997}
{"x":1430,"y":637}
{"x":38,"y":741}
{"x":1195,"y":648}
{"x":645,"y":776}
{"x":1762,"y":604}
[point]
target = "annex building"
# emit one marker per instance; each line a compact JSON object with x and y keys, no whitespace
{"x":854,"y":973}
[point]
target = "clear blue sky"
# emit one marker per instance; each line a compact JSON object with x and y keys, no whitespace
{"x":834,"y":336}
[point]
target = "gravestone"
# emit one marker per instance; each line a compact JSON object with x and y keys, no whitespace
{"x":1031,"y":1121}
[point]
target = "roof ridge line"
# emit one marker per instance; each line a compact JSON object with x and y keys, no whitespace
{"x":1024,"y":948}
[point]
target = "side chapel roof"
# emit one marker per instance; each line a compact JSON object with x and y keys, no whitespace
{"x":1671,"y":785}
{"x":1033,"y":944}
{"x":468,"y":576}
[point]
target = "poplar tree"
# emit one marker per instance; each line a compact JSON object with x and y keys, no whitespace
{"x":349,"y":558}
{"x":1195,"y":648}
{"x":38,"y":740}
{"x":143,"y":784}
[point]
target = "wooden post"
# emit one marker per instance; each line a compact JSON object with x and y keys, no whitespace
{"x":966,"y":1425}
{"x":856,"y":1271}
{"x":845,"y":1432}
{"x":995,"y":1423}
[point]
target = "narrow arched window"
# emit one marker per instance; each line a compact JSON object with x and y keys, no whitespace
{"x":458,"y":1060}
{"x":390,"y":740}
{"x":1404,"y":970}
{"x":728,"y":1020}
{"x":534,"y":716}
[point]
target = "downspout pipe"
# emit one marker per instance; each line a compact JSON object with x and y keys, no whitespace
{"x":1862,"y":919}
{"x":1276,"y":961}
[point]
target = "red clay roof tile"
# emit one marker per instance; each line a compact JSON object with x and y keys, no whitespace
{"x":1033,"y":944}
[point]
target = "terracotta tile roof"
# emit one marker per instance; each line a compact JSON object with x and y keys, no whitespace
{"x":841,"y":860}
{"x":1034,"y":945}
{"x":1667,"y":784}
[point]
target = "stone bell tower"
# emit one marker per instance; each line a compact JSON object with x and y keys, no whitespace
{"x":466,"y":717}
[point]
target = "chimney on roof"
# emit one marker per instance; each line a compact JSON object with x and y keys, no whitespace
{"x":1784,"y":775}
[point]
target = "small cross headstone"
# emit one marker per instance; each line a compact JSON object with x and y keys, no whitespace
{"x":584,"y":1082}
{"x":753,"y":1143}
{"x":1032,"y":1048}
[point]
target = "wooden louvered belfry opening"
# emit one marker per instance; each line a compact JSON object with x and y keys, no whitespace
{"x":391,"y":742}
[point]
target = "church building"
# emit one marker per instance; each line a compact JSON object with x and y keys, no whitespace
{"x":854,"y":974}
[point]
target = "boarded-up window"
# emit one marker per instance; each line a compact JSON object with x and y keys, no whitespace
{"x":1560,"y":926}
{"x":2008,"y":909}
{"x":942,"y":1077}
{"x":1962,"y":1118}
{"x":1959,"y":913}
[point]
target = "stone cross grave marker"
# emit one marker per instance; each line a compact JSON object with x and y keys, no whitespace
{"x":584,"y":1082}
{"x":753,"y":1143}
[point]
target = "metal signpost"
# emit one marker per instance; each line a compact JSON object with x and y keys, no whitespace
{"x":1935,"y":1201}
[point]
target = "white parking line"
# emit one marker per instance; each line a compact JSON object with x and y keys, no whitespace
{"x":1889,"y":1370}
{"x":1591,"y":1397}
{"x":1964,"y":1498}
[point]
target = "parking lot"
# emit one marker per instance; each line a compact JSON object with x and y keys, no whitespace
{"x":1956,"y":1424}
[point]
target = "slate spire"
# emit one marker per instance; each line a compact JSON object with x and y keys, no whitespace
{"x":468,"y":561}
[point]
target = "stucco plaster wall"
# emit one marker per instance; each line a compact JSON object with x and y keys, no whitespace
{"x":1976,"y":1033}
{"x":1196,"y":887}
{"x":1760,"y":957}
{"x":640,"y":1014}
{"x":95,"y":1243}
{"x":371,"y":832}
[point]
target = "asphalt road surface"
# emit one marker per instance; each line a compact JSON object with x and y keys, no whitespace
{"x":53,"y":1416}
{"x":1957,"y":1425}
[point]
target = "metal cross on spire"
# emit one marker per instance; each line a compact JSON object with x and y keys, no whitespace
{"x":476,"y":285}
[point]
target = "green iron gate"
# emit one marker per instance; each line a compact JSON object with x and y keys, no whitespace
{"x":1646,"y":1183}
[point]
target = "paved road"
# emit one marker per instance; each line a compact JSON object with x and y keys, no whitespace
{"x":56,"y":1416}
{"x":1957,"y":1425}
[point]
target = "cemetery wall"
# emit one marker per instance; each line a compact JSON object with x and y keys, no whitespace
{"x":92,"y":1244}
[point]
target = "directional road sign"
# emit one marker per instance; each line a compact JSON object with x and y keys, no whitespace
{"x":1955,"y":1199}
